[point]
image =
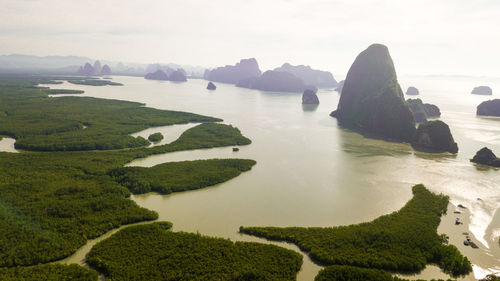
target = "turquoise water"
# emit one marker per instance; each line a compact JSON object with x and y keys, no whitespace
{"x":310,"y":172}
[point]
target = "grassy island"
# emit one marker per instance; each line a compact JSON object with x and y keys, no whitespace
{"x":156,"y":137}
{"x":94,"y":82}
{"x":403,"y":241}
{"x":180,"y":176}
{"x":152,"y":252}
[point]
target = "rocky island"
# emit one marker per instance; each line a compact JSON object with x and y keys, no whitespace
{"x":482,"y":90}
{"x":233,"y":74}
{"x":211,"y":86}
{"x":157,"y":75}
{"x":96,"y":70}
{"x":310,"y":97}
{"x":486,"y":157}
{"x":317,"y":78}
{"x":274,"y":81}
{"x":434,"y":136}
{"x":372,"y":101}
{"x":178,"y":76}
{"x":421,"y":111}
{"x":489,"y":108}
{"x":412,"y":91}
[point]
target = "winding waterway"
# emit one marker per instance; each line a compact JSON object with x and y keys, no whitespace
{"x":310,"y":172}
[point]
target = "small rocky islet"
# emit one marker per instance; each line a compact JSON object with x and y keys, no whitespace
{"x":482,"y":90}
{"x":421,"y":111}
{"x":489,"y":108}
{"x":211,"y":86}
{"x":486,"y":157}
{"x":412,"y":91}
{"x":310,"y":97}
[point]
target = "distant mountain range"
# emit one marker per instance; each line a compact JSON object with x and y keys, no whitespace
{"x":71,"y":64}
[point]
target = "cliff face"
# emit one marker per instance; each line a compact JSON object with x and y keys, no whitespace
{"x":313,"y":77}
{"x":372,"y":101}
{"x":489,"y":108}
{"x":232,"y":74}
{"x":274,"y":81}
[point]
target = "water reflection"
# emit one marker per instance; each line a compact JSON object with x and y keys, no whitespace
{"x":310,"y":107}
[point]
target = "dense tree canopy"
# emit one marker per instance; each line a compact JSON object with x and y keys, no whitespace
{"x":405,"y":240}
{"x":151,"y":252}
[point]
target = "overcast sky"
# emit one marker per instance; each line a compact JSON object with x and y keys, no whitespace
{"x":424,"y":36}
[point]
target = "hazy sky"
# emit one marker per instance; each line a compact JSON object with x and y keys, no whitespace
{"x":424,"y":36}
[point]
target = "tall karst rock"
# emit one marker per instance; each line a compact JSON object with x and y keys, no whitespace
{"x":372,"y":101}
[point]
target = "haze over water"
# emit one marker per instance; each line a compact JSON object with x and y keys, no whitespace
{"x":310,"y":172}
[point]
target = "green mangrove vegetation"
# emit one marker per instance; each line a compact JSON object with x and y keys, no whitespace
{"x":156,"y":137}
{"x":52,"y":202}
{"x":64,"y":92}
{"x":95,"y":82}
{"x":152,"y":252}
{"x":404,"y":241}
{"x":352,"y":273}
{"x":180,"y":176}
{"x":42,"y":123}
{"x":48,"y":272}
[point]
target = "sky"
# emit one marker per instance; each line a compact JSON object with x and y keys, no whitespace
{"x":447,"y":37}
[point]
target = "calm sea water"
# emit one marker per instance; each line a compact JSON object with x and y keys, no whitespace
{"x":310,"y":172}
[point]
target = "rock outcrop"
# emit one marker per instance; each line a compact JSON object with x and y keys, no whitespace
{"x":106,"y":70}
{"x":274,"y":81}
{"x":432,"y":110}
{"x":489,"y":108}
{"x":313,"y":77}
{"x":211,"y":86}
{"x":486,"y":157}
{"x":434,"y":136}
{"x":86,"y":70}
{"x":340,"y":86}
{"x":157,"y":75}
{"x":482,"y":90}
{"x":233,"y":74}
{"x":421,"y":111}
{"x":97,"y":67}
{"x":178,"y":76}
{"x":310,"y":97}
{"x":412,"y":91}
{"x":372,"y":101}
{"x":96,"y":70}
